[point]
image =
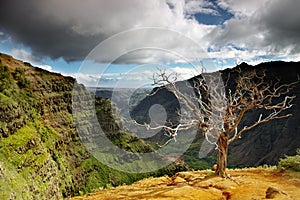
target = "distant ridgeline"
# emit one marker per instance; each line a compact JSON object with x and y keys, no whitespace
{"x":41,"y":154}
{"x":134,"y":95}
{"x":263,"y":145}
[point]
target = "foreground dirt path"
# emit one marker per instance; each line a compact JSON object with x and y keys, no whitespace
{"x":244,"y":184}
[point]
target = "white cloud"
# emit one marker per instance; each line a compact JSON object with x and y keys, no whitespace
{"x":242,"y":8}
{"x":83,"y":78}
{"x":263,"y":28}
{"x":45,"y":67}
{"x":185,"y":73}
{"x":199,"y":6}
{"x":131,"y":79}
{"x":24,"y":55}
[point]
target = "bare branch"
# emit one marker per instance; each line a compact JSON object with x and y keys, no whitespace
{"x":216,"y":112}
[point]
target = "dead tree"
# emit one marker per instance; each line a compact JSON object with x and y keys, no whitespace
{"x":217,"y":109}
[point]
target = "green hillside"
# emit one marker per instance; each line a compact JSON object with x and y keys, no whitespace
{"x":41,"y":154}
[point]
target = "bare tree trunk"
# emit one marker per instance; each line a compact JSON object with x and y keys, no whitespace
{"x":222,"y":155}
{"x":204,"y":108}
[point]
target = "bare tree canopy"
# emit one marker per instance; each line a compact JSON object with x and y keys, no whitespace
{"x":217,"y":105}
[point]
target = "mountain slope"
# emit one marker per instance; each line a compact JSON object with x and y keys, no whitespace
{"x":263,"y":145}
{"x":273,"y":140}
{"x":41,"y":154}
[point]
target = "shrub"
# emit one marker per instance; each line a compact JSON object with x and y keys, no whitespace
{"x":290,"y":162}
{"x":5,"y":78}
{"x":19,"y":75}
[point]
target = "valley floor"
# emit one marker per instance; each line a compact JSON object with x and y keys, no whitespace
{"x":244,"y":184}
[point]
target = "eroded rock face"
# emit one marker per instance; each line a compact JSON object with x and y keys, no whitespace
{"x":32,"y":162}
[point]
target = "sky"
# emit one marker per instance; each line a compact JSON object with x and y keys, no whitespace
{"x":123,"y":42}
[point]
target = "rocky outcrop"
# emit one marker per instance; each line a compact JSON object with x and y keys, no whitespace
{"x":272,"y":192}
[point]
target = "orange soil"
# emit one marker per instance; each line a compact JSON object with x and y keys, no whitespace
{"x":244,"y":184}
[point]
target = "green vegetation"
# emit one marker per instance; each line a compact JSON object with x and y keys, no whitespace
{"x":107,"y":117}
{"x":290,"y":162}
{"x":41,"y":154}
{"x":6,"y":80}
{"x":191,"y":157}
{"x":19,"y":76}
{"x":25,"y":157}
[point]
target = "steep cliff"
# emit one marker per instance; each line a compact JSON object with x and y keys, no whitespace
{"x":41,"y":154}
{"x":273,"y":140}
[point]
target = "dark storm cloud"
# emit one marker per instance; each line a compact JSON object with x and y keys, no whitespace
{"x":72,"y":28}
{"x":282,"y":24}
{"x":26,"y":23}
{"x":3,"y":36}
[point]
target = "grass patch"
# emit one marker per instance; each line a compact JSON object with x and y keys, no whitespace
{"x":290,"y":162}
